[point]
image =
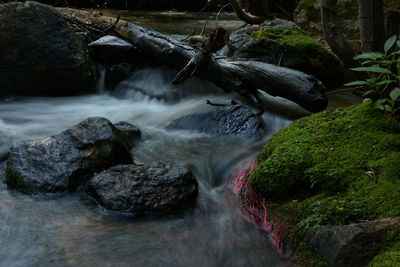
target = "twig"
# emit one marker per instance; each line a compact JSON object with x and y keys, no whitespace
{"x":184,"y":39}
{"x":280,"y":60}
{"x":366,"y":156}
{"x":204,"y":7}
{"x":204,"y":28}
{"x":113,"y":25}
{"x":373,"y":173}
{"x":219,"y":12}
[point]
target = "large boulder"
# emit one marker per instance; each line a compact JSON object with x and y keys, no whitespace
{"x":63,"y":162}
{"x":237,"y":120}
{"x":350,"y":245}
{"x":144,"y":188}
{"x":40,"y":54}
{"x":282,"y":43}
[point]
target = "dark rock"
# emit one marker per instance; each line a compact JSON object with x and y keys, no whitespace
{"x":110,"y":49}
{"x":235,"y":120}
{"x":144,"y":188}
{"x":131,"y":132}
{"x":350,"y":245}
{"x":117,"y":73}
{"x":282,"y":43}
{"x":64,"y":161}
{"x":40,"y":54}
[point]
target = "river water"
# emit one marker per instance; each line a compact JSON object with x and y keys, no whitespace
{"x":72,"y":230}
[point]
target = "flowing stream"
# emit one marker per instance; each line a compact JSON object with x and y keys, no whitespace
{"x":72,"y":230}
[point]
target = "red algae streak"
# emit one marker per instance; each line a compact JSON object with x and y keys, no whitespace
{"x":253,"y":207}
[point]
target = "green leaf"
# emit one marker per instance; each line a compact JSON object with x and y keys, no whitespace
{"x":356,"y":83}
{"x":371,"y":80}
{"x":389,"y":43}
{"x":379,"y":104}
{"x":386,"y":82}
{"x":388,"y":108}
{"x":372,"y":69}
{"x":370,"y":55}
{"x":367,"y":93}
{"x":380,"y":62}
{"x":395,"y":94}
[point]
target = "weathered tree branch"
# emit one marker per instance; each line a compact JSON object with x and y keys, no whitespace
{"x":239,"y":75}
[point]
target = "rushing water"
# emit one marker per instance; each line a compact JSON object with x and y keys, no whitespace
{"x":73,"y":231}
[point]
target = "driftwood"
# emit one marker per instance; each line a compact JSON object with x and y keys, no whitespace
{"x":239,"y":75}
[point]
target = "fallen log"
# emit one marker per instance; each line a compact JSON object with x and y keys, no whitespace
{"x":238,"y":75}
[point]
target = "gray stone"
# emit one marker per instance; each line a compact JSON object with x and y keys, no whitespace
{"x":237,"y":120}
{"x":350,"y":245}
{"x":110,"y":49}
{"x":40,"y":54}
{"x":63,"y":162}
{"x":144,"y":188}
{"x":131,"y":132}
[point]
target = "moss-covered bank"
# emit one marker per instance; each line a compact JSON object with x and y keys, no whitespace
{"x":333,"y":168}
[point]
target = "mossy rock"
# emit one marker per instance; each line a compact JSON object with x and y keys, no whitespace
{"x":332,"y":168}
{"x":283,"y":43}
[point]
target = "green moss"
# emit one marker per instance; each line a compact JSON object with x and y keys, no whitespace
{"x":292,"y":38}
{"x":339,"y":167}
{"x":311,"y":8}
{"x":14,"y":179}
{"x":391,"y":253}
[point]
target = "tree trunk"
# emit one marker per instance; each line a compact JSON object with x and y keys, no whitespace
{"x":243,"y":15}
{"x":371,"y":25}
{"x":333,"y":34}
{"x":241,"y":76}
{"x":392,"y":23}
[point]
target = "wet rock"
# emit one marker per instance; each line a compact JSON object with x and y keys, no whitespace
{"x":110,"y":49}
{"x":282,"y":43}
{"x":144,"y":188}
{"x":235,"y":120}
{"x":65,"y":161}
{"x":117,"y":73}
{"x":131,"y":132}
{"x":41,"y":54}
{"x":351,"y":245}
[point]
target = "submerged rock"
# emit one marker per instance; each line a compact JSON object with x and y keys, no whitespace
{"x":350,"y":245}
{"x":144,"y":188}
{"x":116,"y":73}
{"x":41,"y":54}
{"x":64,"y":161}
{"x":131,"y":132}
{"x":110,"y":49}
{"x":235,"y":120}
{"x":282,"y":43}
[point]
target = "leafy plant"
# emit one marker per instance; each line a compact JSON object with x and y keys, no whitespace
{"x":383,"y":77}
